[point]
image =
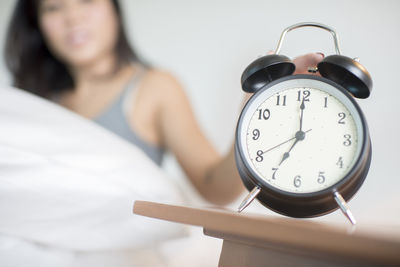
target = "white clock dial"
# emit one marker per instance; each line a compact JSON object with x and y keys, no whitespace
{"x":301,"y":139}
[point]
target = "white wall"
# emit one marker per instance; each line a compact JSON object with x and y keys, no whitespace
{"x":207,"y":44}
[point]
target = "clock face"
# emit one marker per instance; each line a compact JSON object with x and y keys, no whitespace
{"x":301,"y":135}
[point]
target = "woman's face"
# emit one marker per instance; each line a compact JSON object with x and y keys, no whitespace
{"x":79,"y":32}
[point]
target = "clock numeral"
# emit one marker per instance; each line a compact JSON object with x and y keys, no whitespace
{"x":264,"y":114}
{"x":278,"y":100}
{"x":321,"y":177}
{"x":341,"y":115}
{"x":305,"y":93}
{"x":256,"y":134}
{"x":274,"y":170}
{"x":340,"y":162}
{"x":259,"y":157}
{"x":326,"y":102}
{"x":347,"y":141}
{"x":297,"y":181}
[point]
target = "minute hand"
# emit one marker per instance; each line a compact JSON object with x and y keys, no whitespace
{"x":302,"y":107}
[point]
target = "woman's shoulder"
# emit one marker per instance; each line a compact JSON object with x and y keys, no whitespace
{"x":160,"y":78}
{"x":163,"y":83}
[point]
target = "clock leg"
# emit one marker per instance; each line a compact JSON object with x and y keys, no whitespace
{"x":250,"y":197}
{"x":344,"y":208}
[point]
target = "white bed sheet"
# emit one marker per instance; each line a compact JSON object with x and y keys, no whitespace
{"x":67,"y":188}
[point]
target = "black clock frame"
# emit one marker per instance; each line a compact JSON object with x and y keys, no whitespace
{"x":303,"y":205}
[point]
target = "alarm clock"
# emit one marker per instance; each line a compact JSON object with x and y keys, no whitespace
{"x":302,"y":144}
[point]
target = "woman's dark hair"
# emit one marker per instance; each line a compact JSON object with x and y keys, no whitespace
{"x":30,"y":62}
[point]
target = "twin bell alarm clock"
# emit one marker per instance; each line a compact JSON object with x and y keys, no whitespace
{"x":302,"y":144}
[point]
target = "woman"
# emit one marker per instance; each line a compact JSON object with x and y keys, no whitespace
{"x":75,"y":52}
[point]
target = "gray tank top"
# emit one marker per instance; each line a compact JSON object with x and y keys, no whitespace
{"x":114,"y":119}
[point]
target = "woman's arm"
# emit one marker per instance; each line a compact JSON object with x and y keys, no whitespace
{"x":214,"y":176}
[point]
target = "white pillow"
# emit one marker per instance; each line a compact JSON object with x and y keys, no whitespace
{"x":67,"y":183}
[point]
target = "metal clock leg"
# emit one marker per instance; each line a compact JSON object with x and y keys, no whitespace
{"x":250,"y":197}
{"x":344,"y":208}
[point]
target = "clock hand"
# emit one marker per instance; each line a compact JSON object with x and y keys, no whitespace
{"x":287,"y":154}
{"x":302,"y":107}
{"x":300,"y":135}
{"x":284,"y":142}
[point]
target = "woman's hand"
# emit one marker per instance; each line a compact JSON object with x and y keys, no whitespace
{"x":305,"y":61}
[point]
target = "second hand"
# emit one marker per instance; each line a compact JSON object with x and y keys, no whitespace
{"x":283,"y":143}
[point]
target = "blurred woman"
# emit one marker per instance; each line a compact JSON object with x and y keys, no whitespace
{"x":76,"y":53}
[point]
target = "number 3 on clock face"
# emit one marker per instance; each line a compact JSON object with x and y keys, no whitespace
{"x":301,"y":135}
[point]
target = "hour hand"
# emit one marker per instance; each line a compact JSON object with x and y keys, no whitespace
{"x":287,"y":154}
{"x":300,"y":135}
